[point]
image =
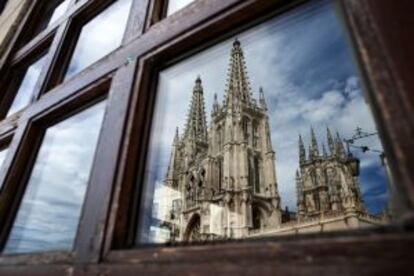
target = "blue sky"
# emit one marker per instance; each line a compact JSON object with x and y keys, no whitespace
{"x":304,"y":63}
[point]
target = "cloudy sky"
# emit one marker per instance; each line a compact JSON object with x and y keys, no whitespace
{"x":100,"y":36}
{"x":303,"y":61}
{"x":49,"y":213}
{"x":175,"y":5}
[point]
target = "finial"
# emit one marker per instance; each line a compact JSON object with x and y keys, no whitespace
{"x":236,"y":42}
{"x":198,"y":80}
{"x":176,"y":137}
{"x":262,"y":100}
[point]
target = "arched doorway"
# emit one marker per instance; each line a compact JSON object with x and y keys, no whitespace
{"x":193,"y":229}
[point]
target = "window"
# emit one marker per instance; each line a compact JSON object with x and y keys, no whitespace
{"x":26,"y":88}
{"x":49,"y":212}
{"x":100,"y":36}
{"x":175,"y":5}
{"x":302,"y":93}
{"x":258,"y":90}
{"x":3,"y":154}
{"x":47,"y":13}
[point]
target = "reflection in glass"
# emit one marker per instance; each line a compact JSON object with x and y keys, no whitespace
{"x":25,"y":93}
{"x":100,"y":36}
{"x":175,"y":5}
{"x":3,"y":153}
{"x":278,"y":138}
{"x":58,"y":11}
{"x":49,"y":213}
{"x":50,"y":12}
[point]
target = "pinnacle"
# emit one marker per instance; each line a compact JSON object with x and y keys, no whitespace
{"x":238,"y":88}
{"x":196,"y":120}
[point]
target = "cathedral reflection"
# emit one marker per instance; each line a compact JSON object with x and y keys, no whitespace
{"x":221,"y":181}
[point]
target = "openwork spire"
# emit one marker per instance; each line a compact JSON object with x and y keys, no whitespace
{"x":315,"y":148}
{"x":238,"y":88}
{"x":262,"y":100}
{"x":331,"y":143}
{"x":196,"y":126}
{"x":302,"y":151}
{"x":339,"y":146}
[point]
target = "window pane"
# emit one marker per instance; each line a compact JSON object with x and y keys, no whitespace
{"x":49,"y":12}
{"x":59,"y":11}
{"x":100,"y":36}
{"x":175,"y":5}
{"x":3,"y":154}
{"x":278,"y":138}
{"x":25,"y":93}
{"x":49,"y":213}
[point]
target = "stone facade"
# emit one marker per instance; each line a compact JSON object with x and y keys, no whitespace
{"x":327,"y":181}
{"x":221,"y":181}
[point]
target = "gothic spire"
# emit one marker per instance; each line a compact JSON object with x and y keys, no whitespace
{"x":302,"y":151}
{"x":314,"y":142}
{"x":331,"y":143}
{"x":339,"y":145}
{"x":173,"y":160}
{"x":262,"y":100}
{"x":237,"y":88}
{"x":177,"y":136}
{"x":196,"y":125}
{"x":216,"y":105}
{"x":311,"y":153}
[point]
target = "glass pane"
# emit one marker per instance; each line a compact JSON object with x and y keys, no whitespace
{"x":25,"y":93}
{"x":3,"y":154}
{"x":100,"y":36}
{"x":278,"y":138}
{"x":50,"y":12}
{"x":175,"y":5}
{"x":49,"y":213}
{"x":58,"y":11}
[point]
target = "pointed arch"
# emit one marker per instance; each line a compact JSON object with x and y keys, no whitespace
{"x":192,"y":232}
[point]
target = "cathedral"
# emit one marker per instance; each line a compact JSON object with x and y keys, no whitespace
{"x":221,"y":181}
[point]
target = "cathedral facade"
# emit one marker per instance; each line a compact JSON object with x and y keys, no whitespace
{"x":222,"y":179}
{"x":327,"y":181}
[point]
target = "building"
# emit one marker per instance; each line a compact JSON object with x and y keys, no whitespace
{"x":226,"y":173}
{"x":226,"y":178}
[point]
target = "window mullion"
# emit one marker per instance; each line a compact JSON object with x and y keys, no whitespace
{"x":89,"y":241}
{"x":50,"y":63}
{"x":136,"y":20}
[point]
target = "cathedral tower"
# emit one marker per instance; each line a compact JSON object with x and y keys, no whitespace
{"x":327,"y":183}
{"x":226,"y":174}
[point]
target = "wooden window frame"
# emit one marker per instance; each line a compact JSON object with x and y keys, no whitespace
{"x":128,"y":73}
